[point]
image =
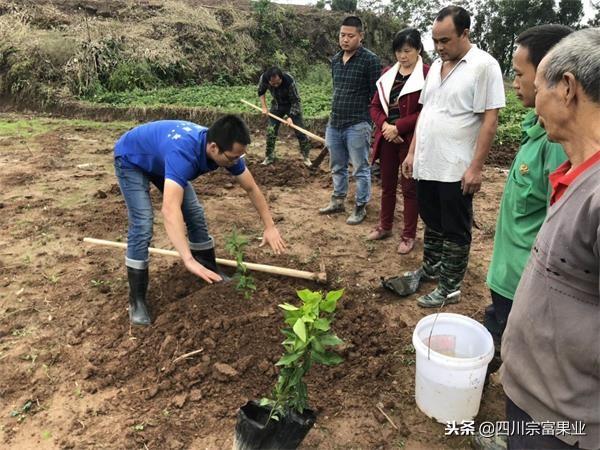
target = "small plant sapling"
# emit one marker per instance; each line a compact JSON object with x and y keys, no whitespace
{"x":284,"y":419}
{"x":307,"y":339}
{"x":235,"y":245}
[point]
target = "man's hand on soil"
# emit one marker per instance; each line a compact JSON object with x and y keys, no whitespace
{"x":272,"y":237}
{"x":198,"y":269}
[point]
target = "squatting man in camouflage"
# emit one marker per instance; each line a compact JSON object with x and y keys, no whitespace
{"x":170,"y":154}
{"x":285,"y":102}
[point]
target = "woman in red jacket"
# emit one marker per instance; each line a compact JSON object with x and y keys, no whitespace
{"x":394,"y":110}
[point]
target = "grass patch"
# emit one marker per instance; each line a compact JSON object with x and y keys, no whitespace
{"x":26,"y":128}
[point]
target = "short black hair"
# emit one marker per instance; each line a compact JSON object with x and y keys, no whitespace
{"x":353,"y":21}
{"x":410,"y":36}
{"x":273,"y":72}
{"x":460,"y":17}
{"x":540,"y":39}
{"x":226,"y":131}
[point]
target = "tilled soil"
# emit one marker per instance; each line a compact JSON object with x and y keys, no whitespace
{"x":76,"y":375}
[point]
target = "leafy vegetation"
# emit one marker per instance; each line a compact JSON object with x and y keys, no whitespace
{"x":316,"y":101}
{"x":509,"y":123}
{"x":307,"y":338}
{"x":316,"y":98}
{"x":235,"y":245}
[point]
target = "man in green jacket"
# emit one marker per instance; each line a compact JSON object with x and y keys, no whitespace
{"x":526,"y":194}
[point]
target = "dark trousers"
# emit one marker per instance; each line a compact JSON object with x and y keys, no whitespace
{"x":391,"y":156}
{"x":495,"y":319}
{"x":496,"y":316}
{"x":273,"y":131}
{"x":445,"y":209}
{"x":520,"y":440}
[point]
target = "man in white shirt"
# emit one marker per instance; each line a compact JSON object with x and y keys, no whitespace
{"x":461,"y":99}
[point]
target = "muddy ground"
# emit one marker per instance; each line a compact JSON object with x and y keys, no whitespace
{"x":74,"y":374}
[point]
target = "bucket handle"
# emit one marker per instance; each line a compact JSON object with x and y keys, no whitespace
{"x":449,"y":296}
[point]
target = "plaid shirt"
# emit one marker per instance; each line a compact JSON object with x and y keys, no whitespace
{"x":285,"y":96}
{"x":353,"y":87}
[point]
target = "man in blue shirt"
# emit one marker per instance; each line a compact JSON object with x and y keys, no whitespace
{"x":169,"y":154}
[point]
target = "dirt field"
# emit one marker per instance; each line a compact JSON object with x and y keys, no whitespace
{"x":74,"y":374}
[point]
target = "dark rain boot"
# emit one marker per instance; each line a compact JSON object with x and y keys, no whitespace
{"x":358,"y":215}
{"x":208,"y":259}
{"x":271,"y":140}
{"x":336,"y":205}
{"x":139,"y":313}
{"x":455,"y":259}
{"x":409,"y":282}
{"x":305,"y":147}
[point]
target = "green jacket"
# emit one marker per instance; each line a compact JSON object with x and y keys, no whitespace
{"x":523,"y":206}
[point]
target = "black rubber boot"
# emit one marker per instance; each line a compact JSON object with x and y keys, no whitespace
{"x":208,"y":259}
{"x":139,"y":313}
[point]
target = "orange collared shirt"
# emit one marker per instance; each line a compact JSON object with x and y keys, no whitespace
{"x":561,"y":178}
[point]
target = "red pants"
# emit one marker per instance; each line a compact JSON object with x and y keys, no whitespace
{"x":391,"y":157}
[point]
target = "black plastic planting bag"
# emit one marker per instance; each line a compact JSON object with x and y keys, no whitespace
{"x":402,"y":285}
{"x":252,"y":432}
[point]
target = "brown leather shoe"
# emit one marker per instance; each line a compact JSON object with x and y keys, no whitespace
{"x":378,"y":234}
{"x":406,"y":246}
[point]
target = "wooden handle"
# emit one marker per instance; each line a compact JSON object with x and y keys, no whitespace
{"x":302,"y":130}
{"x":320,"y":277}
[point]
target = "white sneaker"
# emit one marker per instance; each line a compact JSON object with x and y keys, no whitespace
{"x":307,"y":162}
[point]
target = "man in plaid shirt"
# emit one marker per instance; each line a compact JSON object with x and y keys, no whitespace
{"x":355,"y":70}
{"x":285,"y":102}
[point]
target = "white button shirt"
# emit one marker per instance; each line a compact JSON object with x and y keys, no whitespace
{"x":451,"y":118}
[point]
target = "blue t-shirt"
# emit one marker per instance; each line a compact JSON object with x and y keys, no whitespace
{"x":172,"y":149}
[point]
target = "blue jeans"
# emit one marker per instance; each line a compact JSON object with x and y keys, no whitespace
{"x":350,"y":144}
{"x":135,"y":187}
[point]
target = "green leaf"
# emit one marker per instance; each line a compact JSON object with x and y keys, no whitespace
{"x":317,"y":346}
{"x":327,"y":358}
{"x":322,"y":324}
{"x":334,"y":295}
{"x":266,"y":402}
{"x":298,"y":344}
{"x":291,"y":321}
{"x":329,"y":305}
{"x":288,"y":307}
{"x":288,"y":359}
{"x":330,"y":339}
{"x":300,"y":329}
{"x":308,"y":296}
{"x":288,"y":333}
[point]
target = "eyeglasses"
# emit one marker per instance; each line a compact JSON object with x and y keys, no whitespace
{"x":233,"y":159}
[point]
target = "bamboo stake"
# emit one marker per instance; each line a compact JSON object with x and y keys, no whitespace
{"x":302,"y":130}
{"x":320,"y":277}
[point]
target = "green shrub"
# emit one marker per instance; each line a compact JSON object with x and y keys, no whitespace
{"x":131,"y":75}
{"x":509,"y":121}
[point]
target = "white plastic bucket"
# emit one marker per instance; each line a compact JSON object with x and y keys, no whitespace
{"x":449,"y":382}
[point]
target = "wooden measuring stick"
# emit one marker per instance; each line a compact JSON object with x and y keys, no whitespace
{"x":302,"y":130}
{"x":320,"y":277}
